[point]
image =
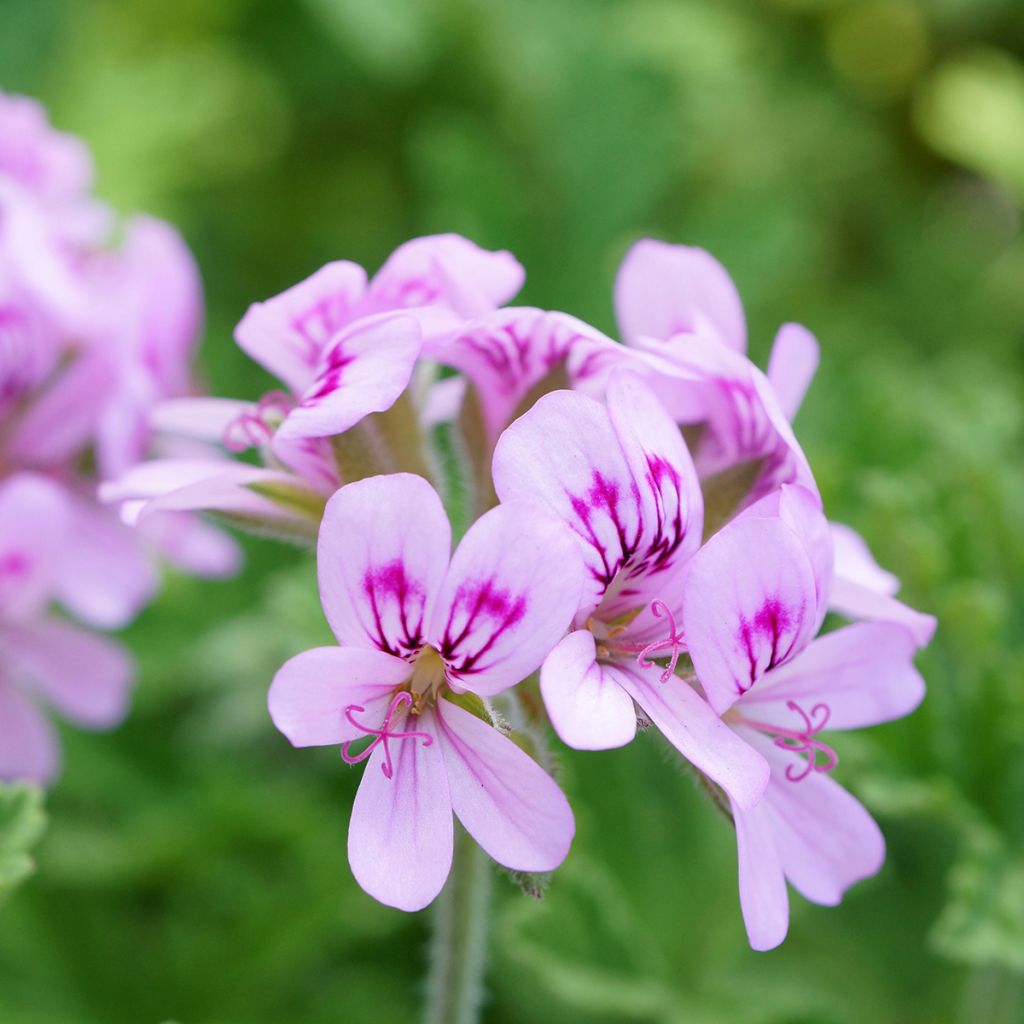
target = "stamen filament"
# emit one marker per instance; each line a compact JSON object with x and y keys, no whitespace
{"x":801,"y":741}
{"x":381,"y":735}
{"x":674,"y":642}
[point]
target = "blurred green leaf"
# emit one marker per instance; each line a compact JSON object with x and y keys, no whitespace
{"x":22,"y":821}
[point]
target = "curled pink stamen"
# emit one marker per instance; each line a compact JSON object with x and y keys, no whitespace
{"x":803,"y":742}
{"x":275,"y":402}
{"x":674,"y":642}
{"x":381,"y":735}
{"x":251,"y":429}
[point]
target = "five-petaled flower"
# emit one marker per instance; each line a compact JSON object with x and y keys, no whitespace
{"x":752,"y":601}
{"x":418,"y":629}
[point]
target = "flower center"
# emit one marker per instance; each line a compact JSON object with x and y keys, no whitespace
{"x":801,"y":741}
{"x":252,"y":429}
{"x":427,"y":679}
{"x":381,"y":735}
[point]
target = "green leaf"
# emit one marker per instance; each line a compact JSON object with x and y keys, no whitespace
{"x":983,"y":922}
{"x":22,"y":820}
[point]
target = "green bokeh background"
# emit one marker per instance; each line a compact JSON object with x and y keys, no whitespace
{"x":858,"y":165}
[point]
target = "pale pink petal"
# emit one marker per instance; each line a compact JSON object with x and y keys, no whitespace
{"x":205,"y":419}
{"x":509,"y":352}
{"x":61,"y":422}
{"x":363,"y":370}
{"x":749,"y":605}
{"x":400,"y":838}
{"x":310,"y":693}
{"x":854,"y":561}
{"x":826,"y":840}
{"x":445,"y":270}
{"x":233,"y":490}
{"x":672,"y":505}
{"x":34,"y":516}
{"x":159,"y":302}
{"x":192,"y":545}
{"x":53,"y":165}
{"x":288,"y":333}
{"x":763,"y":897}
{"x":312,"y":458}
{"x":564,"y":454}
{"x":792,"y":365}
{"x":855,"y":601}
{"x":742,"y":419}
{"x":663,"y":290}
{"x":28,"y":745}
{"x":690,"y":725}
{"x":863,"y":674}
{"x":84,"y":676}
{"x":586,"y":705}
{"x":162,"y":476}
{"x":509,"y":596}
{"x":505,"y":800}
{"x":383,"y":551}
{"x":801,"y":511}
{"x":103,"y":576}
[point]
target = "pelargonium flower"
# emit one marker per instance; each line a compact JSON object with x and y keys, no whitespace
{"x":752,"y":602}
{"x":680,"y":313}
{"x":345,"y":350}
{"x":421,"y":632}
{"x":51,"y":165}
{"x":622,"y":479}
{"x":45,"y":659}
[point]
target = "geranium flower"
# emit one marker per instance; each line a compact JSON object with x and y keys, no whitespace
{"x":752,"y":601}
{"x":419,"y":627}
{"x":681,"y":314}
{"x":345,"y":351}
{"x":47,"y":660}
{"x":622,"y":479}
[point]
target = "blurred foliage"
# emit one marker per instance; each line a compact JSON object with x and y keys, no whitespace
{"x":21,"y":824}
{"x":858,"y":166}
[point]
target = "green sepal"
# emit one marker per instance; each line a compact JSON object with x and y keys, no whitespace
{"x":724,"y":491}
{"x":470,"y":702}
{"x":300,"y":500}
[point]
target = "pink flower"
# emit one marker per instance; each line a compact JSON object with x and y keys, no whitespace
{"x":511,"y":353}
{"x":46,"y":660}
{"x":300,"y":336}
{"x":752,"y":602}
{"x":52,"y":166}
{"x":346,"y":351}
{"x":419,"y":627}
{"x":664,"y":290}
{"x":681,"y":313}
{"x":622,"y":479}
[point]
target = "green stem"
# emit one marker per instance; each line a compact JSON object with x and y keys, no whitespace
{"x":458,"y":945}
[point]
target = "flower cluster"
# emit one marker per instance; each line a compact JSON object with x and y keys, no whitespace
{"x":91,"y":334}
{"x":648,"y":549}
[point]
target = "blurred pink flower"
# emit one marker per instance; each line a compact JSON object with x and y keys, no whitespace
{"x":45,"y":659}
